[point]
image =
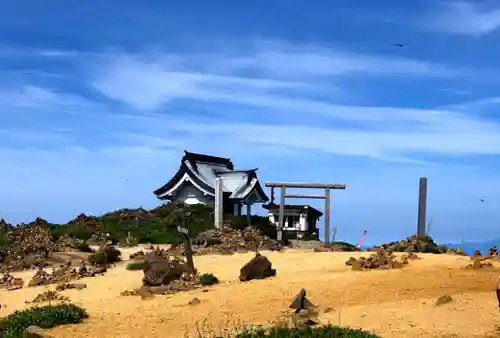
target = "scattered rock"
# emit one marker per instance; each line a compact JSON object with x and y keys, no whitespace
{"x":29,"y":245}
{"x":414,"y":243}
{"x":479,"y":262}
{"x":48,"y":296}
{"x":68,"y":286}
{"x":228,"y":240}
{"x":11,"y":283}
{"x":139,"y":255}
{"x":64,"y":274}
{"x":194,"y":301}
{"x":164,"y":274}
{"x":443,"y":300}
{"x":35,"y":332}
{"x":305,"y":318}
{"x":412,"y":255}
{"x":98,"y":270}
{"x":382,"y":259}
{"x":161,"y":271}
{"x":258,"y":267}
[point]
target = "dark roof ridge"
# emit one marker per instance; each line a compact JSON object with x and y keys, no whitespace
{"x":196,"y":157}
{"x":235,"y":171}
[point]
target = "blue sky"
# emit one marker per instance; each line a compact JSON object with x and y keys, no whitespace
{"x":98,"y":100}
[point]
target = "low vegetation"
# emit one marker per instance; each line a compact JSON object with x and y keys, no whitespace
{"x":326,"y":331}
{"x":140,"y":265}
{"x":345,"y":246}
{"x":44,"y":317}
{"x":84,"y":247}
{"x":208,"y":279}
{"x":105,"y":256}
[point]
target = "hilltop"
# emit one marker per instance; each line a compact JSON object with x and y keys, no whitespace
{"x":140,"y":225}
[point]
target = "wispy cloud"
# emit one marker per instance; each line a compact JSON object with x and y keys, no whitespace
{"x":447,"y":136}
{"x":312,"y":61}
{"x":288,"y":91}
{"x":30,"y":96}
{"x":463,"y":18}
{"x":148,"y":85}
{"x":299,"y":86}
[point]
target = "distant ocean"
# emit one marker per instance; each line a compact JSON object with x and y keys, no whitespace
{"x":470,"y":247}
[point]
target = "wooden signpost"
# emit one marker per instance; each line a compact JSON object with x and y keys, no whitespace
{"x":187,"y":248}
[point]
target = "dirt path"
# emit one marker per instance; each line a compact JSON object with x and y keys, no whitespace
{"x":396,"y":303}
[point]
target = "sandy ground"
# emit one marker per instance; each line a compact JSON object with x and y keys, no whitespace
{"x":395,"y":303}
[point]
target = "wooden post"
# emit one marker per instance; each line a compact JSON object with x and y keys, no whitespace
{"x":218,"y":203}
{"x":327,"y":215}
{"x":422,"y":207}
{"x":281,"y":220}
{"x":249,"y":214}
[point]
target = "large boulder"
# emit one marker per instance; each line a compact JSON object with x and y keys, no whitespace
{"x":35,"y":332}
{"x":207,"y":238}
{"x":258,"y":267}
{"x":160,"y":271}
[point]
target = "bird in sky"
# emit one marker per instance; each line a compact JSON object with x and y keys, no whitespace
{"x":480,"y":199}
{"x":400,"y":45}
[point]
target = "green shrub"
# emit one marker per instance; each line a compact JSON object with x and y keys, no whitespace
{"x":100,"y":258}
{"x":71,"y":230}
{"x":346,"y":246}
{"x":327,"y":331}
{"x":83,"y":247}
{"x":208,"y":279}
{"x":136,"y":266}
{"x":45,"y":317}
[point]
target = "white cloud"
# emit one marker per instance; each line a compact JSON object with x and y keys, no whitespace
{"x":450,"y":138}
{"x":37,"y":97}
{"x":477,"y":106}
{"x":390,"y":133}
{"x":147,"y":81}
{"x":149,"y":85}
{"x":327,"y":63}
{"x":463,"y":18}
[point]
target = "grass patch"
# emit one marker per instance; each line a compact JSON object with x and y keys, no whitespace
{"x":208,"y":279}
{"x":46,"y":317}
{"x":136,"y":266}
{"x":326,"y":331}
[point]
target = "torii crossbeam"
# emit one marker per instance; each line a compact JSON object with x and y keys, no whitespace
{"x":326,"y":197}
